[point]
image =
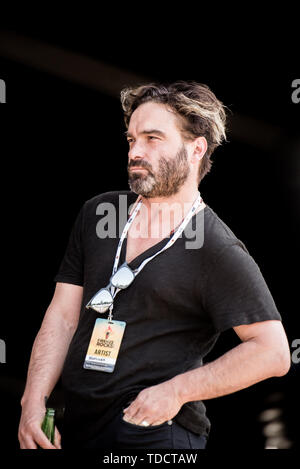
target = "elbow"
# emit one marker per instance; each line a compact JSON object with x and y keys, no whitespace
{"x":283,"y":363}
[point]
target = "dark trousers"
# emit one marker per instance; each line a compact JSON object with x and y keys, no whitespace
{"x":119,"y":434}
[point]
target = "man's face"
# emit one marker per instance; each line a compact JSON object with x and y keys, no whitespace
{"x":157,"y":159}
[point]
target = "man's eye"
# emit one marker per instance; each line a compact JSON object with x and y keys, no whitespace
{"x":152,"y":137}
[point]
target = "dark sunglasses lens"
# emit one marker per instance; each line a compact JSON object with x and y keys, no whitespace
{"x":122,"y":278}
{"x":101,"y":301}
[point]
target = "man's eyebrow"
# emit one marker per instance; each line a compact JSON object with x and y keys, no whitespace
{"x":148,"y":132}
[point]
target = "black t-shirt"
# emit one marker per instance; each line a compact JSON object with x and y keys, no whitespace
{"x":175,"y":310}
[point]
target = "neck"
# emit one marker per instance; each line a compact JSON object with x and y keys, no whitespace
{"x":184,"y":197}
{"x":168,"y":212}
{"x":159,"y":216}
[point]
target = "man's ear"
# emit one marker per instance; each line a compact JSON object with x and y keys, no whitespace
{"x":200,"y":147}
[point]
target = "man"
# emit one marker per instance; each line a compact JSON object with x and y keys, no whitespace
{"x":166,"y":310}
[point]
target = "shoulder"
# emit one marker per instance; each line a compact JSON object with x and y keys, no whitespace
{"x":218,"y":237}
{"x":116,"y":198}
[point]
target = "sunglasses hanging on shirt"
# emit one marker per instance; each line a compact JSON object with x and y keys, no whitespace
{"x":103,"y":299}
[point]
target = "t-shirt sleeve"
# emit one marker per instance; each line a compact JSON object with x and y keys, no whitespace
{"x":236,"y":292}
{"x":71,"y":267}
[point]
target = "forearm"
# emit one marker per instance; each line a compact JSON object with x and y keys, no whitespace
{"x":243,"y":366}
{"x":47,"y":358}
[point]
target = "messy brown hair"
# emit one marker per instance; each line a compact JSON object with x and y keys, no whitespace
{"x":202,"y":114}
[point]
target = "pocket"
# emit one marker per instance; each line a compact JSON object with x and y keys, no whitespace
{"x":142,"y":427}
{"x":132,"y":436}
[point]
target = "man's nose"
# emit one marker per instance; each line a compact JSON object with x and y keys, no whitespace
{"x":136,"y":151}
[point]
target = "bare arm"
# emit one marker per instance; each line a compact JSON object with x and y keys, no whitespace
{"x":47,"y":359}
{"x":263,"y":353}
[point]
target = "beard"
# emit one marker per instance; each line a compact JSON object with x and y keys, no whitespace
{"x":166,"y":181}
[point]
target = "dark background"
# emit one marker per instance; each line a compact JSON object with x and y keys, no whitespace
{"x":62,"y":143}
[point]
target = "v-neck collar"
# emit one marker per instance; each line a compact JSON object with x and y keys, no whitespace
{"x":136,"y":261}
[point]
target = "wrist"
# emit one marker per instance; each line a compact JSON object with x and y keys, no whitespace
{"x":33,"y":399}
{"x":178,"y":384}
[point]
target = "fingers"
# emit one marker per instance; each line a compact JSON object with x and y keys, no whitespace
{"x":137,"y":414}
{"x":27,"y":443}
{"x":34,"y":439}
{"x":137,"y":418}
{"x":132,"y":409}
{"x":139,"y":421}
{"x":155,"y":405}
{"x":130,"y":415}
{"x":30,"y":434}
{"x":140,"y":417}
{"x":57,"y":439}
{"x":157,"y":422}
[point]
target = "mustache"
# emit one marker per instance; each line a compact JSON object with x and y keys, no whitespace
{"x":141,"y":164}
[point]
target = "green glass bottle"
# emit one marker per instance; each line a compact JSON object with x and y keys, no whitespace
{"x":48,"y":425}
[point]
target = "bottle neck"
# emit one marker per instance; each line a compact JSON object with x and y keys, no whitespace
{"x":50,"y":412}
